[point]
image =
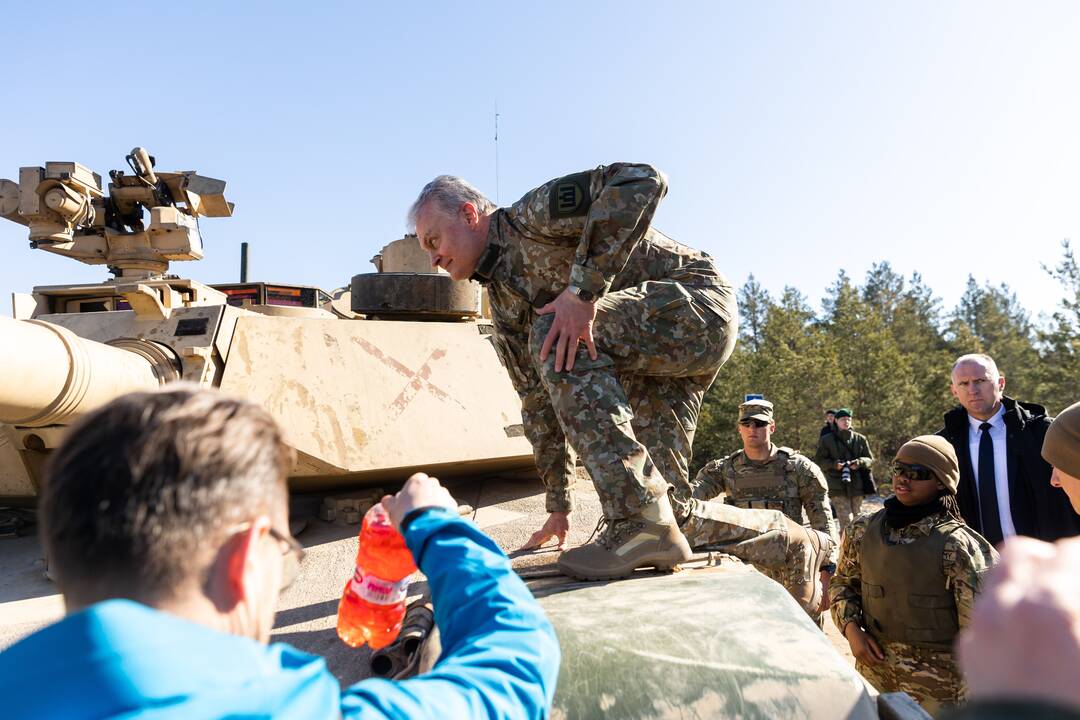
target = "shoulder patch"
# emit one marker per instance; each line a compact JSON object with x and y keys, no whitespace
{"x":570,"y":196}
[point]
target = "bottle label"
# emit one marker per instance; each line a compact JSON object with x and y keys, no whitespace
{"x":378,"y":591}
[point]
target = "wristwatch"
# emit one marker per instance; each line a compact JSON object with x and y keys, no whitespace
{"x":829,"y":568}
{"x":582,"y":294}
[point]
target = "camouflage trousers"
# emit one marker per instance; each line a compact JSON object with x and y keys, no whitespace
{"x":757,"y":537}
{"x":631,"y":414}
{"x":789,"y":579}
{"x":930,"y":676}
{"x":847,"y":508}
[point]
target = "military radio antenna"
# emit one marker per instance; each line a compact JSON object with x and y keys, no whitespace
{"x":496,"y":152}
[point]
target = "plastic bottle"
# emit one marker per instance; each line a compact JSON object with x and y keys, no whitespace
{"x":373,"y":603}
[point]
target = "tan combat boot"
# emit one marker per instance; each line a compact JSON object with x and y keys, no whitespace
{"x":808,"y":550}
{"x":648,"y":539}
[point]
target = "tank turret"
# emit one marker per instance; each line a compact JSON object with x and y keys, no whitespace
{"x":364,"y":390}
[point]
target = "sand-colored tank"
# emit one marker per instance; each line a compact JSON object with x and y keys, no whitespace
{"x":394,"y":374}
{"x":367,"y":388}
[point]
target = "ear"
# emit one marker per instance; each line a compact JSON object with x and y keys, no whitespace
{"x":1001,"y":383}
{"x":772,"y":427}
{"x":234,"y":574}
{"x":470,"y":213}
{"x":953,"y":390}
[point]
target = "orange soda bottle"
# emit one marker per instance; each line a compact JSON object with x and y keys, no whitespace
{"x":373,"y":604}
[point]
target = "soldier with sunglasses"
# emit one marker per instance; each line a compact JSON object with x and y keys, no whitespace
{"x":907,"y":579}
{"x":763,"y":476}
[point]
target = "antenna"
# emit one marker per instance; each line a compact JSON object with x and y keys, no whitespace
{"x":497,"y":152}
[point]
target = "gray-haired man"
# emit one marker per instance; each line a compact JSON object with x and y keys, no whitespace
{"x":577,"y":260}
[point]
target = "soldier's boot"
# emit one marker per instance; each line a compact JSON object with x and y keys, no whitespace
{"x":808,"y":550}
{"x":649,"y":539}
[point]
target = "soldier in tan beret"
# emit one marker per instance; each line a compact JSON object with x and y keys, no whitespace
{"x":907,"y":579}
{"x":1061,"y":448}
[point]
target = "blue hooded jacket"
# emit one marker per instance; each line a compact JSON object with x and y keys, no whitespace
{"x":119,"y":658}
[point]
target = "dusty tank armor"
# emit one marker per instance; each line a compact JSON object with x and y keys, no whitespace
{"x":362,"y":400}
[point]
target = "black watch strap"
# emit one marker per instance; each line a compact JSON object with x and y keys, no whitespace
{"x":586,"y":295}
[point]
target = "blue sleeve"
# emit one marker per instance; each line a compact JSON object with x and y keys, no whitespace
{"x":500,"y":657}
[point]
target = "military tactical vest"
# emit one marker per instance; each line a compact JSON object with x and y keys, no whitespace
{"x":904,"y":595}
{"x":765,"y":487}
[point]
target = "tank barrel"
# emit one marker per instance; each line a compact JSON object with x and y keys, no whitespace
{"x":52,"y":375}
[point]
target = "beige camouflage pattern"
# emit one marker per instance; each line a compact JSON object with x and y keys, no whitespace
{"x":848,"y":508}
{"x":758,"y":537}
{"x":665,"y":324}
{"x":930,"y":676}
{"x":803,"y":497}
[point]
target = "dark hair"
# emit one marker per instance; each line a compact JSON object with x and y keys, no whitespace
{"x":143,"y":489}
{"x":950,"y":506}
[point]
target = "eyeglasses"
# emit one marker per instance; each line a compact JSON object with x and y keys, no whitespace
{"x":293,"y":553}
{"x":912,"y":472}
{"x":752,"y":421}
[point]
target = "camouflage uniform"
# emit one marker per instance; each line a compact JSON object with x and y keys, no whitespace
{"x":787,"y":481}
{"x":929,"y":675}
{"x":666,"y":320}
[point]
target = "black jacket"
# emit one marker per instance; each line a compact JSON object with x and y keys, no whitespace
{"x":1038,"y":509}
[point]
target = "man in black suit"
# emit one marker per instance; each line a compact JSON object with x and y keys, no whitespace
{"x":1004,"y":482}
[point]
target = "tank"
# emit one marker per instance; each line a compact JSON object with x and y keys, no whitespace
{"x":371,"y":382}
{"x":364,"y":381}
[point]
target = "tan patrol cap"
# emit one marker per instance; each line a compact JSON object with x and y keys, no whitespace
{"x":1061,"y":446}
{"x":936,"y":453}
{"x":756,"y":410}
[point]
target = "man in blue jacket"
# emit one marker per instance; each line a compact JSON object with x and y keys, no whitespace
{"x":165,"y":519}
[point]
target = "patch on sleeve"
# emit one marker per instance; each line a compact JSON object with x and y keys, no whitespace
{"x":570,"y":196}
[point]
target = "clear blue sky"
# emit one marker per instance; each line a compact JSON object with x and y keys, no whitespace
{"x":798,"y":138}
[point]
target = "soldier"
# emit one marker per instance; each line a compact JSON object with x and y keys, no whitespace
{"x":908,"y":576}
{"x":764,"y":476}
{"x":1061,"y":448}
{"x":844,"y":455}
{"x":577,"y":260}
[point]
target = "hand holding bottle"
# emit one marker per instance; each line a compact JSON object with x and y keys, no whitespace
{"x":420,"y":491}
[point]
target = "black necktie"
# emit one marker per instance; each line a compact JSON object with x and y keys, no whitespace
{"x":988,"y":504}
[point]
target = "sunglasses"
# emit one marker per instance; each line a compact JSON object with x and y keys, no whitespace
{"x":755,"y":423}
{"x":912,"y":472}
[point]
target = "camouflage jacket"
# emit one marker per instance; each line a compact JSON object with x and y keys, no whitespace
{"x":965,"y":559}
{"x":591,"y":229}
{"x":804,"y":490}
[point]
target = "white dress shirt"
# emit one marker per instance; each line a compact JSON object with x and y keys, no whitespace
{"x":1001,"y":465}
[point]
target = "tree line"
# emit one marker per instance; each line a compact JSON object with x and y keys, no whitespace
{"x":885,"y":348}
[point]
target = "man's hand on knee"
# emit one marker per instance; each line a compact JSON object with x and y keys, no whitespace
{"x":556,"y":526}
{"x":573,"y":322}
